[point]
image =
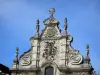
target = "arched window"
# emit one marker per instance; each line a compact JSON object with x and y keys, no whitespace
{"x":49,"y":70}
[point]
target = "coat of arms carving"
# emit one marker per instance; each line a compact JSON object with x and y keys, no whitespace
{"x":50,"y":50}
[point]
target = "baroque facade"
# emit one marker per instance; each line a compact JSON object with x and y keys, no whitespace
{"x":51,"y":53}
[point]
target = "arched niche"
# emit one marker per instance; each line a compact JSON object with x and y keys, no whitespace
{"x":48,"y":66}
{"x":49,"y":70}
{"x":40,"y":73}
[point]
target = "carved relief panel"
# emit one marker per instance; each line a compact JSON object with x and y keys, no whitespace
{"x":26,"y":60}
{"x":50,"y":50}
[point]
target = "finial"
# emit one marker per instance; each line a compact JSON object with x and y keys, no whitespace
{"x":65,"y":24}
{"x":51,"y":11}
{"x":65,"y":20}
{"x":17,"y":49}
{"x":37,"y":26}
{"x":87,"y":49}
{"x":37,"y":22}
{"x":87,"y":58}
{"x":87,"y":46}
{"x":16,"y":59}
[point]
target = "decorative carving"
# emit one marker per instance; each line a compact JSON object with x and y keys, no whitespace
{"x":51,"y":31}
{"x":26,"y":60}
{"x":69,"y":40}
{"x":50,"y":50}
{"x":76,"y":59}
{"x":74,"y":56}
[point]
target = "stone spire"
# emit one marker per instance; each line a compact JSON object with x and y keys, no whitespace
{"x":87,"y":50}
{"x":16,"y":61}
{"x":87,"y":58}
{"x":37,"y":26}
{"x":65,"y":26}
{"x":37,"y":34}
{"x":16,"y":58}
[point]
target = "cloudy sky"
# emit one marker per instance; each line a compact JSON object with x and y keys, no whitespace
{"x":18,"y":21}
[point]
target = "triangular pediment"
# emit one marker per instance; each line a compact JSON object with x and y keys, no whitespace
{"x":51,"y":32}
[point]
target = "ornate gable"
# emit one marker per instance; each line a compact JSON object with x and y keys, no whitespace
{"x":52,"y":49}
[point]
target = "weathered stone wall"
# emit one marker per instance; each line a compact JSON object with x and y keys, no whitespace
{"x":76,"y":73}
{"x":24,"y":73}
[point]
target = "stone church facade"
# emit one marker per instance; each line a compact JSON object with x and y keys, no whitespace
{"x":51,"y":53}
